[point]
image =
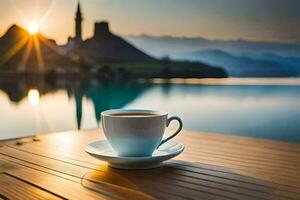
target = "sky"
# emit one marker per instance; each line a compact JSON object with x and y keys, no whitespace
{"x":263,"y":20}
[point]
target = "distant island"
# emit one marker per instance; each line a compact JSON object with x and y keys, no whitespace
{"x":104,"y":55}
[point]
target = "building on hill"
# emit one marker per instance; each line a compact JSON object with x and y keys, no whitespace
{"x":102,"y":46}
{"x":74,"y":42}
{"x":105,"y":46}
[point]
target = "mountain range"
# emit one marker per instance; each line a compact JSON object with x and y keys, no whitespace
{"x":160,"y":46}
{"x":238,"y":57}
{"x":250,"y":65}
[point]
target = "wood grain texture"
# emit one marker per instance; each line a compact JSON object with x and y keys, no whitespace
{"x":22,"y":190}
{"x":213,"y":166}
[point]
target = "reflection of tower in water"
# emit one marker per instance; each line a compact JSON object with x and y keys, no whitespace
{"x":78,"y":100}
{"x":105,"y":97}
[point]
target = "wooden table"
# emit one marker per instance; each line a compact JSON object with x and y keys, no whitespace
{"x":213,"y":166}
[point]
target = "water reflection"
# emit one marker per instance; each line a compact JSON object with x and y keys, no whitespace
{"x":30,"y":106}
{"x":263,"y":111}
{"x":103,"y":96}
{"x":33,"y":96}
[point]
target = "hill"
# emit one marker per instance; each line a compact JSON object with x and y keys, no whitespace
{"x":105,"y":46}
{"x":22,"y":52}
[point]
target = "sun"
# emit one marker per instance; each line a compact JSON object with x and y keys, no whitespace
{"x":33,"y":28}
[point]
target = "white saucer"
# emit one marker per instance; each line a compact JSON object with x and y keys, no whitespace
{"x":102,"y":150}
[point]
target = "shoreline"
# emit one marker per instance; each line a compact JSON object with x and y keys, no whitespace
{"x":228,"y":81}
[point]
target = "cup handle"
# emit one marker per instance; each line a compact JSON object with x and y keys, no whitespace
{"x":176,"y":133}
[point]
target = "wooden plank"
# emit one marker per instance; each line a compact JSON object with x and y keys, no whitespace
{"x":247,"y":167}
{"x":243,"y":170}
{"x":250,"y":148}
{"x":94,"y":166}
{"x":72,"y":174}
{"x":242,"y":141}
{"x":233,"y":159}
{"x":162,"y":188}
{"x":78,"y":155}
{"x":232,"y":140}
{"x":128,"y":193}
{"x":59,"y":158}
{"x":186,"y":182}
{"x":271,"y":168}
{"x":207,"y":176}
{"x":165,"y":180}
{"x":57,"y":185}
{"x":213,"y":166}
{"x":15,"y":162}
{"x":293,"y":164}
{"x":247,"y":147}
{"x":13,"y":188}
{"x":284,"y":190}
{"x":275,"y":180}
{"x":247,"y":155}
{"x":194,"y":141}
{"x":67,"y":188}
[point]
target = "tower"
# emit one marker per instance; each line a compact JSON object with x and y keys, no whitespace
{"x":78,"y":24}
{"x":101,"y":29}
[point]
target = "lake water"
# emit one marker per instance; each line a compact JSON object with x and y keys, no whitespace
{"x":272,"y":111}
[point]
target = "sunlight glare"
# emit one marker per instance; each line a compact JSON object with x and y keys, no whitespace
{"x":33,"y":28}
{"x":33,"y":96}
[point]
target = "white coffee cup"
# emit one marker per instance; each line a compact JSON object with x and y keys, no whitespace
{"x":136,"y":133}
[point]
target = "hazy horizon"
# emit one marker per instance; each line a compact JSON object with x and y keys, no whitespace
{"x":271,"y":20}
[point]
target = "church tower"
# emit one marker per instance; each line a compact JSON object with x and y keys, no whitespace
{"x":78,"y":24}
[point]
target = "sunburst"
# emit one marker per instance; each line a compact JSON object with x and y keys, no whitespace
{"x":34,"y":28}
{"x":28,"y":42}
